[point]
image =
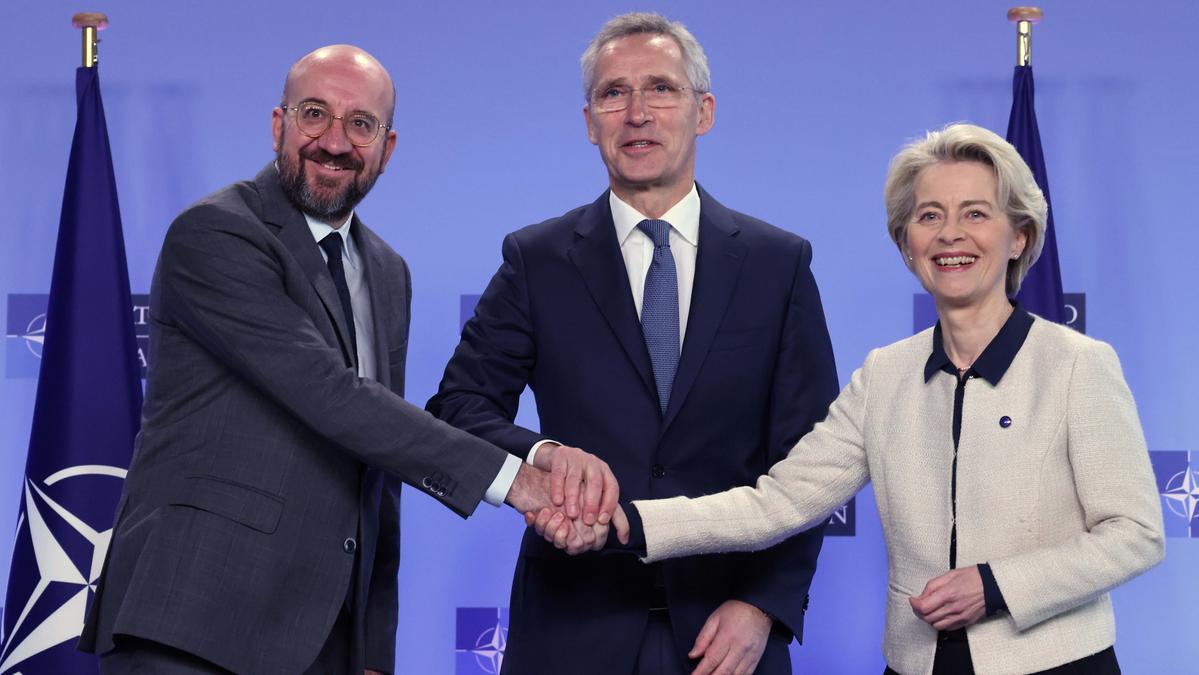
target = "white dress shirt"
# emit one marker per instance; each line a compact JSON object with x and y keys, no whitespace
{"x":637,"y":249}
{"x":364,"y":328}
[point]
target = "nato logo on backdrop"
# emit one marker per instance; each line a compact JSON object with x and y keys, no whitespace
{"x":1177,"y":473}
{"x":924,"y":314}
{"x":26,"y":332}
{"x":843,"y":522}
{"x":481,"y":635}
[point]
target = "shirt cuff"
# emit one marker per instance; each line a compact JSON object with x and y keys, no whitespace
{"x":992,"y":597}
{"x":537,"y":446}
{"x":498,"y":491}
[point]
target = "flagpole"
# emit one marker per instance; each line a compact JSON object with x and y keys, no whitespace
{"x":1024,"y":18}
{"x":91,"y":23}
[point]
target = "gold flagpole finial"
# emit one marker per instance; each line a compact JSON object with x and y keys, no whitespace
{"x":1024,"y":18}
{"x":91,"y":23}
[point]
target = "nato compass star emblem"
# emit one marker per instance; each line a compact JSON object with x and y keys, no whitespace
{"x":481,"y":640}
{"x":34,"y":335}
{"x":57,"y":561}
{"x":1182,"y":493}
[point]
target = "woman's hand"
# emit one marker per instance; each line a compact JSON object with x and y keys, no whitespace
{"x":953,"y":600}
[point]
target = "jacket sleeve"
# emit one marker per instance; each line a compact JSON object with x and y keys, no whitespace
{"x":1114,"y":483}
{"x":492,"y":364}
{"x":824,"y":469}
{"x":224,"y":284}
{"x":805,"y":382}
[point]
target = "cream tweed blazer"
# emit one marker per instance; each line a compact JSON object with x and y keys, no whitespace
{"x":1062,"y":503}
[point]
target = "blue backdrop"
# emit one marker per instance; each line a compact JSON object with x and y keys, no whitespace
{"x":812,"y":101}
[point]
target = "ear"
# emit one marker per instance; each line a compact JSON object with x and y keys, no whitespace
{"x":277,"y":128}
{"x":707,"y":114}
{"x":1021,"y":241}
{"x":903,"y":254}
{"x":591,"y":136}
{"x":389,"y":146}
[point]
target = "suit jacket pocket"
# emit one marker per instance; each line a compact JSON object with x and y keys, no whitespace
{"x":240,"y":503}
{"x":740,"y":339}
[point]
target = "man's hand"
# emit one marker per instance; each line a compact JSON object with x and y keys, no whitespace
{"x":530,"y":493}
{"x":951,"y":601}
{"x":732,"y":640}
{"x":530,"y":490}
{"x":579,"y":479}
{"x":568,"y":534}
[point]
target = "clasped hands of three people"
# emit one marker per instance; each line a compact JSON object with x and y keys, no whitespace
{"x":572,"y":497}
{"x":583,"y":505}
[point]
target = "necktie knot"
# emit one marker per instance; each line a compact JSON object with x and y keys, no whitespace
{"x":332,"y":244}
{"x":658,"y":230}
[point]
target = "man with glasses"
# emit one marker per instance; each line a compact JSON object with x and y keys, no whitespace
{"x":259,"y":527}
{"x":683,"y":343}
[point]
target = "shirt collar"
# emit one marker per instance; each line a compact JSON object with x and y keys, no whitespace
{"x":995,"y":359}
{"x":683,"y":217}
{"x":320,"y":230}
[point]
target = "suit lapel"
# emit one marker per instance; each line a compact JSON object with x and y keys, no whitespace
{"x":380,"y":294}
{"x":297,"y":237}
{"x":596,"y":254}
{"x":717,"y":266}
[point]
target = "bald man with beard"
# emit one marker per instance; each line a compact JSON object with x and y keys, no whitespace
{"x":258,"y":531}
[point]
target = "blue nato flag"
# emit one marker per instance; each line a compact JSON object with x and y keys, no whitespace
{"x":85,"y":417}
{"x":1041,"y":292}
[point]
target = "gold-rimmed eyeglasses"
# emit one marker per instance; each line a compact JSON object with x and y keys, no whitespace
{"x":314,"y":119}
{"x":617,"y":97}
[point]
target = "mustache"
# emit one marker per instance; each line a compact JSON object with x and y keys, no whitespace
{"x":346,"y":161}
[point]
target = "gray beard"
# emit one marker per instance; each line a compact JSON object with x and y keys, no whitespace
{"x":331,"y":208}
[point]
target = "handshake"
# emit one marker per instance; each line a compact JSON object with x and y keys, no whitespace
{"x":570,"y":497}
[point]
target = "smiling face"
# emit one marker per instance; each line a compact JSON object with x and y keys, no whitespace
{"x":959,"y":239}
{"x":644,"y":148}
{"x":326,"y":177}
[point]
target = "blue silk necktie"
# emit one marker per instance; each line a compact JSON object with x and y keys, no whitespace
{"x":660,"y":309}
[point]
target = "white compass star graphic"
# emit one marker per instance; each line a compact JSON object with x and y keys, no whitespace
{"x":489,"y":649}
{"x":489,"y":646}
{"x":1182,"y":493}
{"x":55,"y":565}
{"x":35,"y":335}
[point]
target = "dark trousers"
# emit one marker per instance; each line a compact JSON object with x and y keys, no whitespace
{"x":953,"y":658}
{"x":135,"y":656}
{"x":657,"y":654}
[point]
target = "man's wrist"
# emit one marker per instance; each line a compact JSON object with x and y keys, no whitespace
{"x":546,"y":447}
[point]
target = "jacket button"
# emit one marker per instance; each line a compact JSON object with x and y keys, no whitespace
{"x":349,"y":545}
{"x":658,"y":471}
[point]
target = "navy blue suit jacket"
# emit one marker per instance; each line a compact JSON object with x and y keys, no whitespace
{"x":756,"y":373}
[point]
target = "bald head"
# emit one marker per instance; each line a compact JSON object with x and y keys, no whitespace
{"x":340,"y":59}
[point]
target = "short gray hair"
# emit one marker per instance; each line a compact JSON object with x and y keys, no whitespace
{"x":1017,"y":191}
{"x":640,"y":23}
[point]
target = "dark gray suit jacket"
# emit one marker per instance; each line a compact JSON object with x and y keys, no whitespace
{"x":265,"y":467}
